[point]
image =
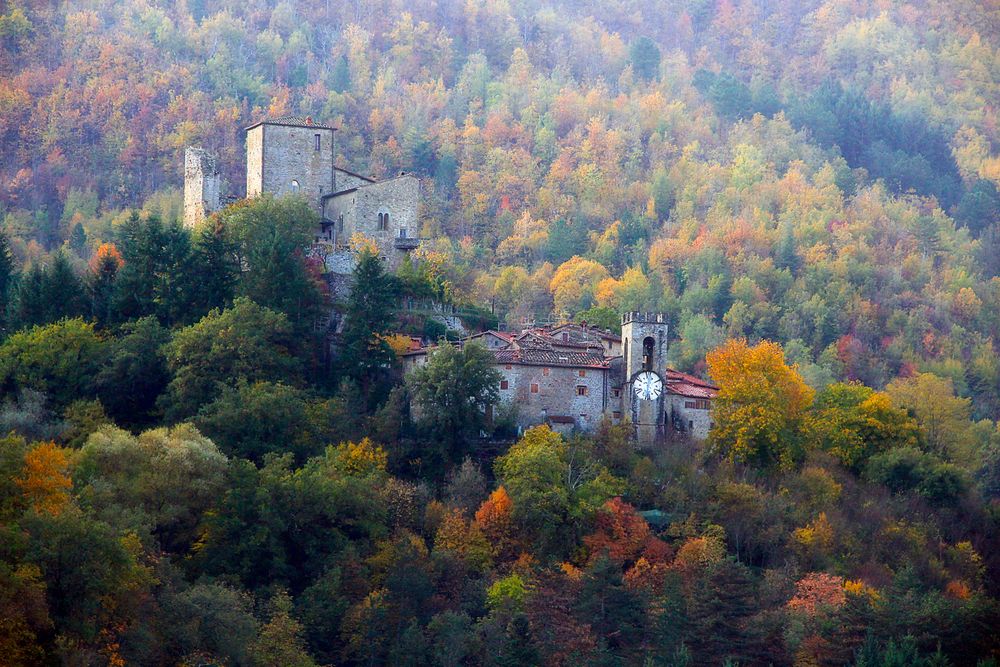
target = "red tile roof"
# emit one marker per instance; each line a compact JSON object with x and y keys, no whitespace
{"x":682,"y":384}
{"x":542,"y":357}
{"x":292,"y":121}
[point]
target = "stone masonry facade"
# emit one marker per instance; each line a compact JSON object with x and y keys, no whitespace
{"x":572,"y":376}
{"x":296,"y":156}
{"x":201,"y":186}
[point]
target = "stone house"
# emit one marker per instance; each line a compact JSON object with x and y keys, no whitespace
{"x":571,"y":376}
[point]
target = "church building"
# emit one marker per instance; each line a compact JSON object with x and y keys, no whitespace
{"x":572,"y":376}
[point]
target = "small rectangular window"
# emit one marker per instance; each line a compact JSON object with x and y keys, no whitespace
{"x":504,"y":384}
{"x":617,"y":393}
{"x":583,"y":373}
{"x":534,"y":388}
{"x":545,"y":372}
{"x":508,"y":366}
{"x":616,"y":415}
{"x":581,"y":390}
{"x":317,"y":139}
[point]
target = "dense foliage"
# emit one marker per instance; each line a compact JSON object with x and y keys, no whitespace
{"x":808,"y":189}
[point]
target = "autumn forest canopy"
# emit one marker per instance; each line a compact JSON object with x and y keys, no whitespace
{"x":810,"y":191}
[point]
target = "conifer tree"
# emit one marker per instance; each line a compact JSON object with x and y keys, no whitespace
{"x":28,"y":303}
{"x":213,"y":269}
{"x":7,"y":277}
{"x":104,"y":272}
{"x":364,"y":352}
{"x":63,"y":291}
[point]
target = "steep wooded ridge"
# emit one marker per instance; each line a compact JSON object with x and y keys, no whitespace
{"x":808,"y":190}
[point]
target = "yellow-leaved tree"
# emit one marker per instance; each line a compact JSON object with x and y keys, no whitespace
{"x":761,"y":403}
{"x":45,"y":482}
{"x":574,"y":284}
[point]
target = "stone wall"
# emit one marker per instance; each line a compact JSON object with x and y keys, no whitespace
{"x":636,"y":327}
{"x":398,"y":197}
{"x":201,"y":186}
{"x":289,"y":161}
{"x":646,"y":415}
{"x":255,"y":161}
{"x":689,"y":415}
{"x":345,"y":180}
{"x":557,"y":394}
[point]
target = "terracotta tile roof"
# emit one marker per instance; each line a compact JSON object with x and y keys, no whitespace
{"x":493,"y":332}
{"x":542,"y":357}
{"x":292,"y":121}
{"x":682,"y":384}
{"x":585,"y":331}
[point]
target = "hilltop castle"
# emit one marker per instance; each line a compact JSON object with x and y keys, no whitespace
{"x":296,"y":155}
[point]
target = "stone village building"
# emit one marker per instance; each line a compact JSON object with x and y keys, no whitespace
{"x":571,"y":376}
{"x":296,"y":155}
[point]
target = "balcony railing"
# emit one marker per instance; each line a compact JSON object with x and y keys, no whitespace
{"x":405,"y":243}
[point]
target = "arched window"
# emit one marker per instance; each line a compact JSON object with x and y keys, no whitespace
{"x":295,"y":185}
{"x":383,"y":221}
{"x":647,"y":353}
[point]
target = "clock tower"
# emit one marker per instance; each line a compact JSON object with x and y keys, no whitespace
{"x":644,"y":348}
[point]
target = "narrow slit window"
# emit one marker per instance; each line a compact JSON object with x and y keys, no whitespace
{"x":316,"y":141}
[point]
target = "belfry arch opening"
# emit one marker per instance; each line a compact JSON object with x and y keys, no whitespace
{"x":647,"y":353}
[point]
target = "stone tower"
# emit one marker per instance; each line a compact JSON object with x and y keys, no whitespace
{"x":291,"y":155}
{"x":644,"y":347}
{"x":201,"y":186}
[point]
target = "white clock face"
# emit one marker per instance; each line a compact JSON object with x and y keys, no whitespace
{"x":647,"y":385}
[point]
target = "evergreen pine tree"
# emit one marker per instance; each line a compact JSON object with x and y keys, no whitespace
{"x":7,"y":278}
{"x":28,"y":302}
{"x":175,"y":281}
{"x":364,"y":352}
{"x":141,"y":245}
{"x":104,"y":273}
{"x":63,"y":291}
{"x":615,"y":613}
{"x":718,"y":610}
{"x":785,"y":255}
{"x":214,"y":271}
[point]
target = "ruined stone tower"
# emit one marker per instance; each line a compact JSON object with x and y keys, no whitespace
{"x":201,"y":186}
{"x":291,"y":155}
{"x":644,"y":347}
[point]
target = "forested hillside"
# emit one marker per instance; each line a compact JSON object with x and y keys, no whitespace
{"x":809,"y":191}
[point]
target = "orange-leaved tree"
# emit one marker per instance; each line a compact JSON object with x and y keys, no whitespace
{"x":761,"y":403}
{"x":495,"y":518}
{"x":624,"y":535}
{"x":45,"y":481}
